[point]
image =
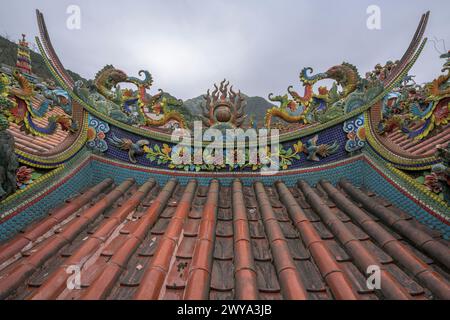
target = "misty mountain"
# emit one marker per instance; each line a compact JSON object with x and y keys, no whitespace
{"x":191,"y":108}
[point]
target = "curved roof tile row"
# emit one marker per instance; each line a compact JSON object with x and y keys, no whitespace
{"x":225,"y":242}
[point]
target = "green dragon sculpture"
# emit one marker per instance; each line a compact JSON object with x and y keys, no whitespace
{"x":326,"y":104}
{"x":345,"y":75}
{"x":106,"y":79}
{"x":129,"y":106}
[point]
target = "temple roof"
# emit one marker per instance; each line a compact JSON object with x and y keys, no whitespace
{"x":407,"y":146}
{"x":213,"y":237}
{"x":425,"y":147}
{"x":223,"y":242}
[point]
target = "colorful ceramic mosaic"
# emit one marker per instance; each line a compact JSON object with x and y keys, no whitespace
{"x":335,"y":163}
{"x":145,"y":211}
{"x":326,"y":147}
{"x":164,"y":155}
{"x":356,"y":133}
{"x":96,"y":134}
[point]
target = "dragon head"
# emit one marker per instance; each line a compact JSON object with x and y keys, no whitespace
{"x":116,"y":76}
{"x":110,"y":76}
{"x":4,"y":80}
{"x":343,"y":72}
{"x":283,"y":100}
{"x":337,"y":73}
{"x":18,"y":75}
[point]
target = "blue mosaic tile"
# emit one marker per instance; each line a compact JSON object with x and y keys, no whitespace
{"x":376,"y":183}
{"x":327,"y":136}
{"x":358,"y":173}
{"x":81,"y":180}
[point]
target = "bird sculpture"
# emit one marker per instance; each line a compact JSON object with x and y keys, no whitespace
{"x":134,"y":148}
{"x":324,"y":150}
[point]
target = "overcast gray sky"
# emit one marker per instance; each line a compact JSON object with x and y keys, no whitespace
{"x":259,"y":45}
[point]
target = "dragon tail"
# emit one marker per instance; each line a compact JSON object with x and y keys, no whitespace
{"x":333,"y":148}
{"x":40,"y":131}
{"x":41,"y":111}
{"x":275,"y":112}
{"x":422,"y":132}
{"x":117,"y":142}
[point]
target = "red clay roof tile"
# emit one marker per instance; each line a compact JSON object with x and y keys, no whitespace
{"x":219,"y":242}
